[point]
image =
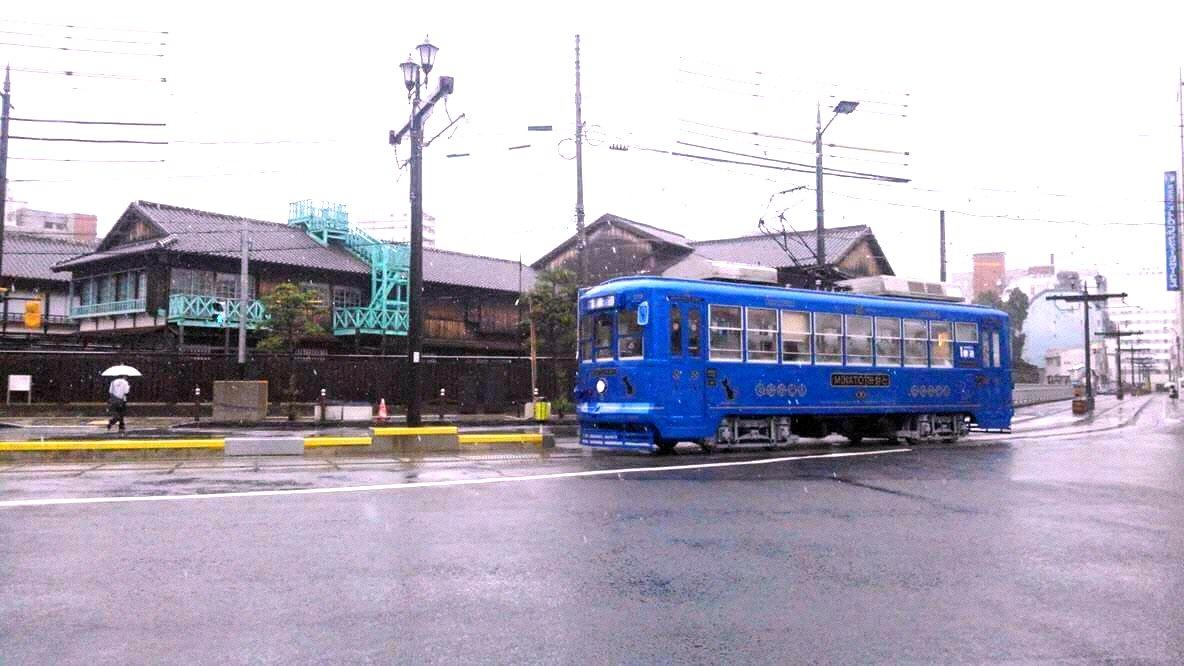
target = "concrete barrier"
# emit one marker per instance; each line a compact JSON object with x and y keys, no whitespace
{"x":425,"y":439}
{"x":1031,"y":394}
{"x":264,"y":446}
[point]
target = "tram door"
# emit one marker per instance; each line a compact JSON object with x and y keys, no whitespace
{"x":687,"y":347}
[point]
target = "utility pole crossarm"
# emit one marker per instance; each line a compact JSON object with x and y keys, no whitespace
{"x":1086,"y":298}
{"x":443,"y":89}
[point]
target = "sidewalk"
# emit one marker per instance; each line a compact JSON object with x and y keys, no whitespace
{"x":1050,"y":419}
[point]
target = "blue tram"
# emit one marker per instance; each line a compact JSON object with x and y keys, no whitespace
{"x":664,"y":360}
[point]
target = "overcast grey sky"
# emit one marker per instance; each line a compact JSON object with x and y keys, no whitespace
{"x":1058,"y":114}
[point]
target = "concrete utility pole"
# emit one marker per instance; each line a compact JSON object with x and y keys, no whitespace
{"x":1118,"y":336}
{"x":415,"y":76}
{"x":843,"y":107}
{"x":244,"y":301}
{"x":1086,"y":298}
{"x":942,"y":228}
{"x":6,"y":104}
{"x":581,"y":237}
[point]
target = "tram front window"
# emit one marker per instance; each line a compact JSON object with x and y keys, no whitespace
{"x":602,"y":336}
{"x":628,"y":335}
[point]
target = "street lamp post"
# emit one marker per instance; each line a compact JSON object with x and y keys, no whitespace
{"x":844,"y":107}
{"x":415,"y":76}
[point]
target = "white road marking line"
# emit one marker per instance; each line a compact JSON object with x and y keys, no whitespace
{"x":9,"y":504}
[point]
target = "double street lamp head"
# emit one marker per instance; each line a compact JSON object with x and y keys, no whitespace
{"x":427,"y":58}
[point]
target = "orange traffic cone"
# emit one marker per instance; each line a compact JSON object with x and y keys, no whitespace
{"x":382,"y":415}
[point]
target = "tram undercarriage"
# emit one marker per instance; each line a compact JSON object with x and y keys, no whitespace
{"x":775,"y":431}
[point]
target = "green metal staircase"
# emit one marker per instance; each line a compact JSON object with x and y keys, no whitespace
{"x":387,"y":313}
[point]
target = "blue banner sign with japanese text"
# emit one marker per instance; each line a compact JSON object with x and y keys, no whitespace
{"x":1171,"y":229}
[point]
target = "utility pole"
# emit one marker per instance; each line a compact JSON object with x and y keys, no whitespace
{"x":1085,"y":298}
{"x":1132,"y":351}
{"x":942,"y":227}
{"x":1118,"y":336}
{"x":820,"y":226}
{"x":5,"y":107}
{"x":582,"y":239}
{"x":414,"y":76}
{"x":844,"y":107}
{"x":244,"y":301}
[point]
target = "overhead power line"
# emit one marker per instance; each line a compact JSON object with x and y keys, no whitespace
{"x":811,"y":168}
{"x":90,"y":75}
{"x":88,"y":122}
{"x":73,"y":26}
{"x":797,"y":140}
{"x":44,"y":138}
{"x":77,"y":50}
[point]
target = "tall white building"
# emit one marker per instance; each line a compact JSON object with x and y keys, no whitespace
{"x":1158,"y":338}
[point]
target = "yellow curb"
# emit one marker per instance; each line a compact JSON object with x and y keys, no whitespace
{"x":423,"y":430}
{"x":113,"y":445}
{"x":337,"y":441}
{"x":500,"y":438}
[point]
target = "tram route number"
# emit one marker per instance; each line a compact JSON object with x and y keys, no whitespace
{"x":860,"y":379}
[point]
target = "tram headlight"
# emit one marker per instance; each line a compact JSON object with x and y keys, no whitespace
{"x":601,"y":386}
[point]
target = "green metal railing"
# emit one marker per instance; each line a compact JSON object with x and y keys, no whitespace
{"x":388,"y":262}
{"x":214,"y":312}
{"x":346,"y":321}
{"x":105,"y":309}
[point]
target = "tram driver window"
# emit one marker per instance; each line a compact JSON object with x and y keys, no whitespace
{"x":941,"y":348}
{"x":603,"y":335}
{"x":725,"y":329}
{"x":828,"y":338}
{"x":915,"y":339}
{"x":628,"y":335}
{"x":675,"y":330}
{"x":795,"y":337}
{"x":694,"y":332}
{"x":585,"y":334}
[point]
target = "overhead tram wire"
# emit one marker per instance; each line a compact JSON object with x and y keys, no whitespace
{"x":90,"y":75}
{"x":74,"y":26}
{"x":88,"y":122}
{"x":826,"y":170}
{"x":788,"y":138}
{"x":78,"y":50}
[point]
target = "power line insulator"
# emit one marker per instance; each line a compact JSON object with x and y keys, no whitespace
{"x":618,"y":146}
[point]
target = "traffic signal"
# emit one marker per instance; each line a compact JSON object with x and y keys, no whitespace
{"x":33,"y":314}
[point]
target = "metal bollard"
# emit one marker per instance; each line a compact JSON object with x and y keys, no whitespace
{"x":322,"y":405}
{"x":442,"y":393}
{"x":196,"y":404}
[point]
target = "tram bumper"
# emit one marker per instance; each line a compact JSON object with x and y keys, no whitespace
{"x":617,"y":425}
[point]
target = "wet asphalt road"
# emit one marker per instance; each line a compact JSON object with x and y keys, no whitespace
{"x":1067,"y":548}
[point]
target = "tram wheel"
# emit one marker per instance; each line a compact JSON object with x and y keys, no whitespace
{"x":706,"y":445}
{"x":666,"y":446}
{"x":855,"y":438}
{"x":912,"y":441}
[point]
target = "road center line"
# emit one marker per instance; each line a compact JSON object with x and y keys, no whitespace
{"x":10,"y":504}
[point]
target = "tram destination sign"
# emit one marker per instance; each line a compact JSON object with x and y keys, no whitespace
{"x":872,"y":379}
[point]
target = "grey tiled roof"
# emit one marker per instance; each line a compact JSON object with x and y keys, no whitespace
{"x":32,"y":257}
{"x":469,"y":270}
{"x":765,"y":251}
{"x":190,"y":231}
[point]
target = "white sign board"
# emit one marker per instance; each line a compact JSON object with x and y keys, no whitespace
{"x":20,"y":382}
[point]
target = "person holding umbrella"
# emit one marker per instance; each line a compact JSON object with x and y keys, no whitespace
{"x":117,"y":392}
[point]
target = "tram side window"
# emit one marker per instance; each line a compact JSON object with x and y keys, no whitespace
{"x":602,"y":341}
{"x":795,"y":337}
{"x":859,"y":340}
{"x":675,"y":330}
{"x":998,"y":356}
{"x":725,"y":333}
{"x":828,"y":339}
{"x":964,"y":332}
{"x":761,"y":335}
{"x":694,"y":332}
{"x":887,"y":341}
{"x":941,"y":349}
{"x":585,"y":338}
{"x":628,"y":335}
{"x":915,"y":339}
{"x":988,"y":354}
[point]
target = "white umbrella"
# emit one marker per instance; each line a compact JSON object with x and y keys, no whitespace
{"x":121,"y":371}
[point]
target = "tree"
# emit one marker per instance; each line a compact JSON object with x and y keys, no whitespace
{"x":552,"y":308}
{"x":1016,"y":307}
{"x":292,"y":314}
